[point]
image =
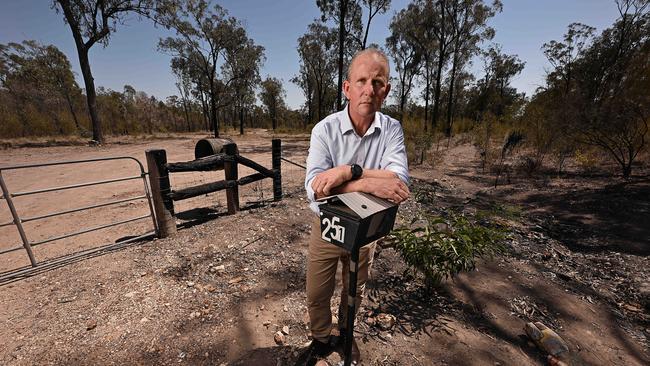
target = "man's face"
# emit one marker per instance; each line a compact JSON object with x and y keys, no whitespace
{"x":367,"y":86}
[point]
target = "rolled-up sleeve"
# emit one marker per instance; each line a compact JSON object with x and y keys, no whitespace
{"x":394,"y":157}
{"x":319,"y":159}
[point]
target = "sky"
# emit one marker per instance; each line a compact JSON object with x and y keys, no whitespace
{"x":132,"y":58}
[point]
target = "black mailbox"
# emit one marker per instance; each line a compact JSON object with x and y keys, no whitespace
{"x":352,"y":220}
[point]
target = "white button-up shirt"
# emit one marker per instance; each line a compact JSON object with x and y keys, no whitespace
{"x":334,"y":142}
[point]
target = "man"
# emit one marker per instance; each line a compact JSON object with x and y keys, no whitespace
{"x":356,"y":149}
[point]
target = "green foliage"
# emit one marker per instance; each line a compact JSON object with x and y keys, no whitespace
{"x":38,"y":93}
{"x":406,"y":55}
{"x":493,"y":96}
{"x":425,"y":193}
{"x":214,"y":55}
{"x":272,"y":96}
{"x":317,"y":51}
{"x":444,"y":246}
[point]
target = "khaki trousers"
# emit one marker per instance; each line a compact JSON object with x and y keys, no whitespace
{"x":322,"y":263}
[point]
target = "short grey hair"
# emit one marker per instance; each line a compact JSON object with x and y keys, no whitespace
{"x":369,"y":51}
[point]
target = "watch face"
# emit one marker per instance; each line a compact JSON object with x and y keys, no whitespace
{"x":356,"y":171}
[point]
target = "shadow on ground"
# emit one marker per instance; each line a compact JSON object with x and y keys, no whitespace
{"x":618,"y":213}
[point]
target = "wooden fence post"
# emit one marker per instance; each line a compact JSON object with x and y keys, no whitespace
{"x":276,"y":154}
{"x":160,"y":188}
{"x":230,"y":170}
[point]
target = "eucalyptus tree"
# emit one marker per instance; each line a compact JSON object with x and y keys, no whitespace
{"x":93,"y":22}
{"x":548,"y":127}
{"x":128,"y":106}
{"x":493,"y":94}
{"x":57,"y":72}
{"x":597,"y":90}
{"x":306,"y":83}
{"x":272,"y":96}
{"x":215,"y":47}
{"x":243,"y":62}
{"x":562,"y":55}
{"x":352,"y":34}
{"x":373,"y":7}
{"x":423,"y":36}
{"x":439,"y":21}
{"x":468,"y":21}
{"x":317,"y":49}
{"x":39,"y":76}
{"x":347,"y":15}
{"x":431,"y":33}
{"x":492,"y":99}
{"x":199,"y":86}
{"x":608,"y":93}
{"x":183,"y":84}
{"x":405,"y":54}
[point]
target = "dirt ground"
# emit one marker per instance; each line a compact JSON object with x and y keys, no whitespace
{"x":218,"y":291}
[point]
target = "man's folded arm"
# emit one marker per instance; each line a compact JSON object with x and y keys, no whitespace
{"x":379,"y":173}
{"x":318,"y":160}
{"x":394,"y":158}
{"x":381,"y":183}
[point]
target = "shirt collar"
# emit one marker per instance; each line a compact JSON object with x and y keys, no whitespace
{"x":346,"y":124}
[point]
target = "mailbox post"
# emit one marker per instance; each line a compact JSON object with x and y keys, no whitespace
{"x":351,"y":221}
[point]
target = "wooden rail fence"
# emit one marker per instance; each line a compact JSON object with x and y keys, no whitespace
{"x":164,"y":196}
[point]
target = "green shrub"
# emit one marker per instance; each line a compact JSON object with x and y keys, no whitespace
{"x":443,"y":247}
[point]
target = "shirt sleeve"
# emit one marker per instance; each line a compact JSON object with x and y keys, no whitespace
{"x":394,"y":158}
{"x":319,"y":158}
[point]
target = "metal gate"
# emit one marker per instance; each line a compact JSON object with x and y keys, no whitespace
{"x":18,"y":221}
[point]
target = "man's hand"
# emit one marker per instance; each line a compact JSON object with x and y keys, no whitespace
{"x":392,"y":189}
{"x":381,"y":183}
{"x":326,"y":181}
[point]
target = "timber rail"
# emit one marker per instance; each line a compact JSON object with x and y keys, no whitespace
{"x":164,"y":196}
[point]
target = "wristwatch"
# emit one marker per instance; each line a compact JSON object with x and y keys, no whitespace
{"x":357,"y":171}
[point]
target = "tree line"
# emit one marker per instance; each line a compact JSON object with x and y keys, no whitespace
{"x":40,"y":97}
{"x":215,"y":64}
{"x":595,"y":93}
{"x":598,"y":91}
